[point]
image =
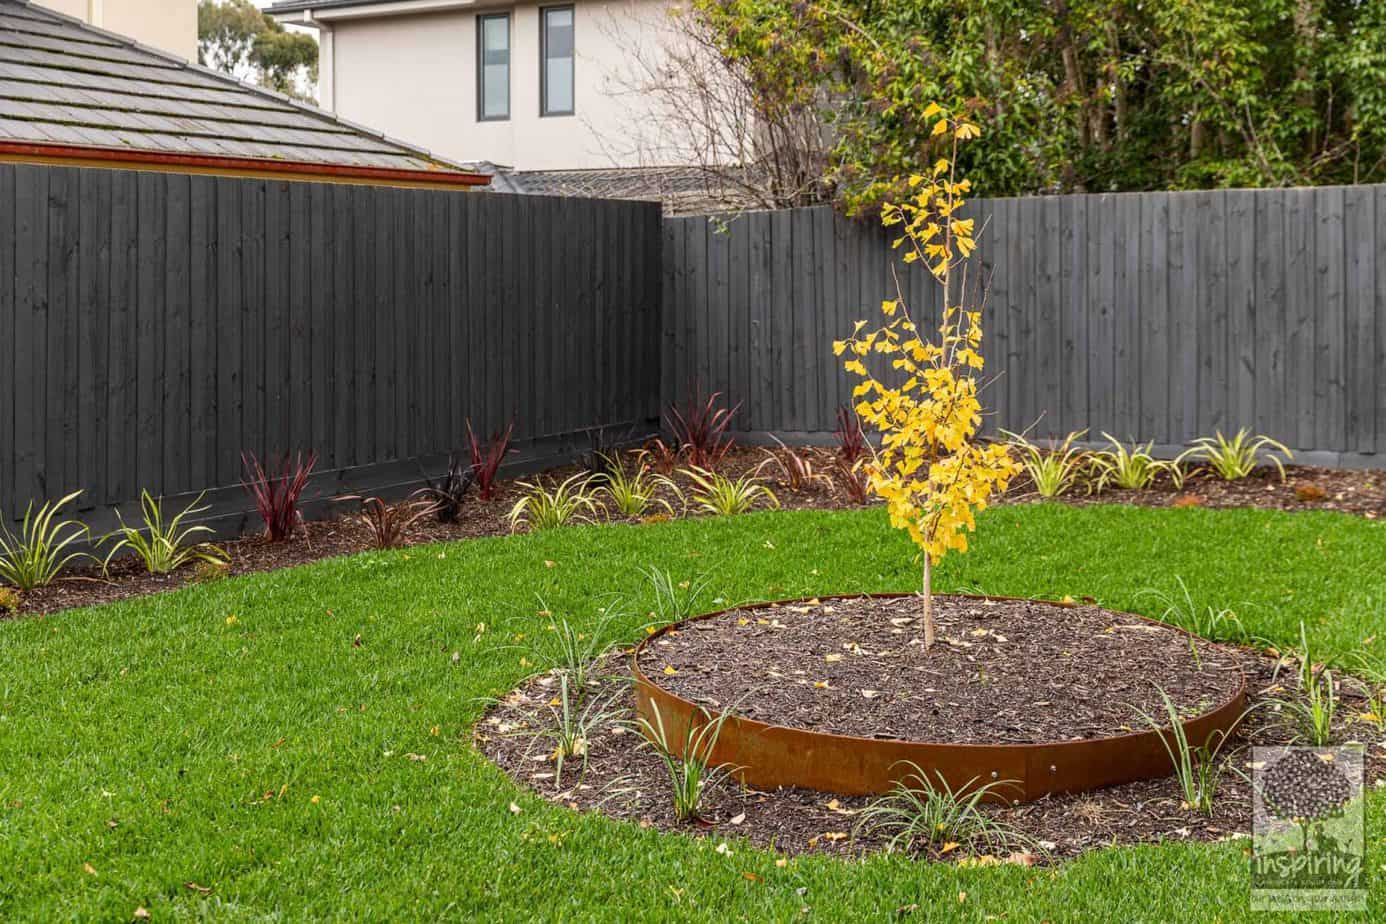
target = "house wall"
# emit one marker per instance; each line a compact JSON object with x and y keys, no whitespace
{"x":168,"y":25}
{"x":415,"y":78}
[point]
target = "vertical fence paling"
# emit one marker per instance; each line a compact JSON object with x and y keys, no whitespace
{"x":153,"y":326}
{"x":1158,"y":316}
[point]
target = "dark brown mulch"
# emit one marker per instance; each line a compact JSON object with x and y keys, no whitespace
{"x":1357,"y":492}
{"x":341,"y":535}
{"x":1001,"y":671}
{"x":625,"y":779}
{"x":84,"y":585}
{"x":1361,"y":492}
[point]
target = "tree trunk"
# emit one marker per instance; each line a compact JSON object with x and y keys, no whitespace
{"x":1196,"y":137}
{"x":994,"y":69}
{"x":1075,"y":91}
{"x":1305,"y":23}
{"x":1118,"y":88}
{"x":927,"y":601}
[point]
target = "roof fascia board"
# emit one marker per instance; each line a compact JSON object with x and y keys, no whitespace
{"x":135,"y":159}
{"x":311,"y":17}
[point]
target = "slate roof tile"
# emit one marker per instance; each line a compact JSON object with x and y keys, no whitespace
{"x":62,"y":81}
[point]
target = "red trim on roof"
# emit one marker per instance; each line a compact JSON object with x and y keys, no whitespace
{"x":115,"y":156}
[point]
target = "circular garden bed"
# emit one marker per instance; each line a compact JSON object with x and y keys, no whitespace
{"x":838,"y":694}
{"x":832,"y":700}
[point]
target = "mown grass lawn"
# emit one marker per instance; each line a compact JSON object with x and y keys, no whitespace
{"x":162,"y":754}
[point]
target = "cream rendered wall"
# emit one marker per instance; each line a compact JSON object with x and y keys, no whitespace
{"x":168,"y":25}
{"x":77,"y":8}
{"x":414,"y":78}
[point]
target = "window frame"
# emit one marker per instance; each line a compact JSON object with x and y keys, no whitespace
{"x":481,"y":20}
{"x":544,"y":111}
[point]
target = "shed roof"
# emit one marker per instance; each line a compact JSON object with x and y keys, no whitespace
{"x":68,"y":86}
{"x":683,"y":190}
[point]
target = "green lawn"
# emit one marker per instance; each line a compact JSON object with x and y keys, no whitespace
{"x":138,"y":741}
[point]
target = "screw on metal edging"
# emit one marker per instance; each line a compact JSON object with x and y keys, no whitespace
{"x":995,"y":775}
{"x":1053,"y":769}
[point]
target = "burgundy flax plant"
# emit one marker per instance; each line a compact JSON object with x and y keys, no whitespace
{"x":852,"y":479}
{"x":450,"y":490}
{"x":487,"y":458}
{"x":797,"y":471}
{"x":276,"y":491}
{"x":389,"y":523}
{"x":700,"y":430}
{"x":851,"y":441}
{"x":660,"y":456}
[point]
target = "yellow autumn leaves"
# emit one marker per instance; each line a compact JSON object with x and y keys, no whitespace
{"x":931,"y":233}
{"x":931,"y":472}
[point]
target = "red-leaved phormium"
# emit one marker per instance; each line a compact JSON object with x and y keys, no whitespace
{"x":660,"y":456}
{"x":851,"y":441}
{"x":700,"y":429}
{"x":851,"y":478}
{"x":487,"y":458}
{"x":276,"y":490}
{"x":389,"y":523}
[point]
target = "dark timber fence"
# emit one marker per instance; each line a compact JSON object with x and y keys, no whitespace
{"x":1158,"y":316}
{"x":153,"y":326}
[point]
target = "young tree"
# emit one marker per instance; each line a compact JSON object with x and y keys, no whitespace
{"x":930,"y":469}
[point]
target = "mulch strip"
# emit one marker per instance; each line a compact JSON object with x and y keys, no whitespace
{"x":624,"y":778}
{"x":1000,"y":672}
{"x":319,"y":539}
{"x":1359,"y":492}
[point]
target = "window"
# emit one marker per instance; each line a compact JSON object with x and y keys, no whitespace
{"x":493,"y":66}
{"x":556,"y":61}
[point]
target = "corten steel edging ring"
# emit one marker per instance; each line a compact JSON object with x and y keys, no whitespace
{"x":775,"y":756}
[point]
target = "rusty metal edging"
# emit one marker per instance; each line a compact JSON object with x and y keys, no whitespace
{"x":775,"y":756}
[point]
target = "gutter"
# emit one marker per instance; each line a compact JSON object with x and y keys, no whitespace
{"x":313,"y":14}
{"x":307,"y":171}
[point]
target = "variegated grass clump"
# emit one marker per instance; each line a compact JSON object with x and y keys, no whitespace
{"x":1132,"y":468}
{"x":543,"y":507}
{"x":573,"y":652}
{"x":575,"y":725}
{"x":1235,"y":458}
{"x":716,"y":494}
{"x":163,"y":547}
{"x":44,"y":546}
{"x":1055,"y":469}
{"x":675,"y":601}
{"x":1309,"y":714}
{"x":689,"y":766}
{"x":635,"y":492}
{"x":923,"y":813}
{"x":1197,"y":768}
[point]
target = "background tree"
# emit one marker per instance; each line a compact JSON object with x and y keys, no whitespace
{"x":931,"y":471}
{"x":1080,"y":95}
{"x":758,"y":139}
{"x":234,"y":37}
